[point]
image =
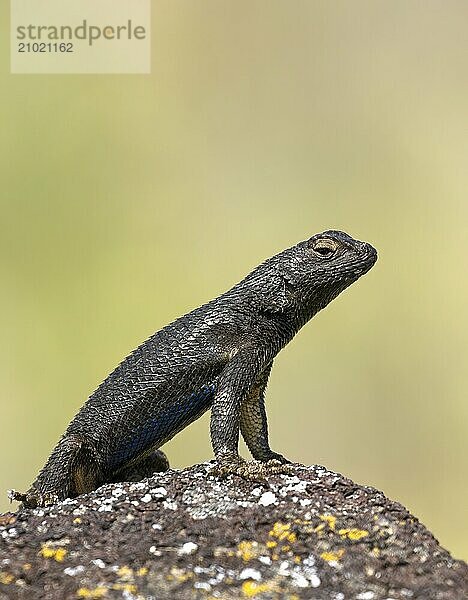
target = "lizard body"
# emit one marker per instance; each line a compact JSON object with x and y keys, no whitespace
{"x":218,"y":356}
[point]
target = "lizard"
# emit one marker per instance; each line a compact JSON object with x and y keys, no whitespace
{"x":217,"y":356}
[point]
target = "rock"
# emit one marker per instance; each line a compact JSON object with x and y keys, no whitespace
{"x":185,"y":534}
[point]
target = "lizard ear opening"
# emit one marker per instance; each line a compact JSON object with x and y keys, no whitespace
{"x":279,"y":297}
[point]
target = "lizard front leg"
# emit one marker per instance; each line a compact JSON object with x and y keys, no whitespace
{"x":234,"y":389}
{"x":253,"y":420}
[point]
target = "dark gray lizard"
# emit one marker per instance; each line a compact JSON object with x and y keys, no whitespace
{"x":220,"y":356}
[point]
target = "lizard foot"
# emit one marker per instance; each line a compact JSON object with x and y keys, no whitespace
{"x":33,"y":498}
{"x":254,"y":470}
{"x":156,"y":462}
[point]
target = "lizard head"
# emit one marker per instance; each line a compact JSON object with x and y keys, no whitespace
{"x":316,"y":270}
{"x":331,"y":261}
{"x":335,"y":258}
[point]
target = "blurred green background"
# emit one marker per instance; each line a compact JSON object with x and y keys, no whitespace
{"x":129,"y":200}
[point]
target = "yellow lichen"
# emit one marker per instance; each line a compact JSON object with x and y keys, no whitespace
{"x":6,"y":578}
{"x":179,"y":575}
{"x":77,"y":521}
{"x":98,"y":592}
{"x":353,"y":534}
{"x":330,"y":520}
{"x":332,"y":556}
{"x":250,"y":589}
{"x":125,"y":572}
{"x":142,"y":571}
{"x":130,"y":588}
{"x":282,"y":532}
{"x":247,"y":550}
{"x":58,"y":554}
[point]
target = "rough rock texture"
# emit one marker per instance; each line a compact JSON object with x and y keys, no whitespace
{"x":184,"y":534}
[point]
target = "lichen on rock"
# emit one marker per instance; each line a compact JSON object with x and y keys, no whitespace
{"x":187,"y":535}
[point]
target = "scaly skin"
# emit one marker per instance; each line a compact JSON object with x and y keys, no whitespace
{"x":218,"y":356}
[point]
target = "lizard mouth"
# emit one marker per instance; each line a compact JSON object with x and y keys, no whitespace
{"x":369,"y":254}
{"x":367,"y":258}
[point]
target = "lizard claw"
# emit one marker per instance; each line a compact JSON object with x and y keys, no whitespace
{"x":227,"y":464}
{"x":277,"y":458}
{"x":13,"y":495}
{"x":33,"y":498}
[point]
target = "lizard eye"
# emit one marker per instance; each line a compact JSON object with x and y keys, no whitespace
{"x":325,"y":247}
